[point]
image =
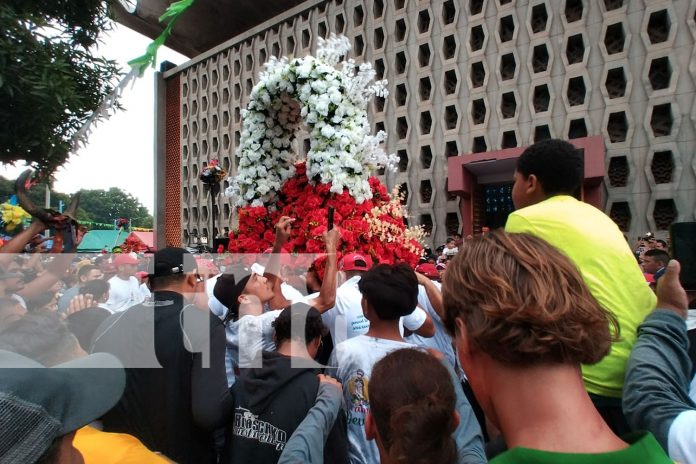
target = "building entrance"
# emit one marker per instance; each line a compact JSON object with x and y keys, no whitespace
{"x":484,"y":182}
{"x":497,"y":204}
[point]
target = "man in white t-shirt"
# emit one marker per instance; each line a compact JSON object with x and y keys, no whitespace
{"x":242,"y":297}
{"x":389,"y":292}
{"x":346,"y":319}
{"x":124,"y":289}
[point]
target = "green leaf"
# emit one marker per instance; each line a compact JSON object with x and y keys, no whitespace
{"x":172,"y":14}
{"x":51,"y":84}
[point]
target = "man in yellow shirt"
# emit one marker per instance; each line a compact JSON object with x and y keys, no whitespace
{"x":547,"y":177}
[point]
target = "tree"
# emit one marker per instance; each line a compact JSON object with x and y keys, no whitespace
{"x":108,"y":205}
{"x":102,"y":206}
{"x":50,"y":82}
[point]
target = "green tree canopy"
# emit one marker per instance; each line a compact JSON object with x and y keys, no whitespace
{"x":50,"y":82}
{"x":108,"y":205}
{"x":102,"y":206}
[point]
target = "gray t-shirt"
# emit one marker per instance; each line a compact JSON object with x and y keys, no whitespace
{"x":441,"y":341}
{"x":351,"y":363}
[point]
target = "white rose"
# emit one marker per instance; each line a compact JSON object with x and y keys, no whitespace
{"x":327,"y":131}
{"x":335,"y":97}
{"x":319,"y":86}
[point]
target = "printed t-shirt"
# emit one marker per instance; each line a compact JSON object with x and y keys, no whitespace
{"x":598,"y":248}
{"x":346,"y":319}
{"x":351,"y":363}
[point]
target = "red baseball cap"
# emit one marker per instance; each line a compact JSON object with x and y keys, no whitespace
{"x":125,"y":258}
{"x":356,"y":262}
{"x":429,"y":270}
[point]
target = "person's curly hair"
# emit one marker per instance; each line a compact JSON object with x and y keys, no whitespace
{"x":523,"y":302}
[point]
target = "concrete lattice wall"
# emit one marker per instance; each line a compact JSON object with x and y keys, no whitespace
{"x":477,"y":75}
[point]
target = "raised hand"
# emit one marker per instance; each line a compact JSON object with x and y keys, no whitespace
{"x":283,"y":229}
{"x":326,"y":379}
{"x":670,"y":293}
{"x":331,"y":239}
{"x":80,"y":303}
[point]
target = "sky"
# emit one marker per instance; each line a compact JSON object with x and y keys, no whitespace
{"x":120,"y":150}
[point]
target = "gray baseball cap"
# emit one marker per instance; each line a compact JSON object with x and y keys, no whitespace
{"x":39,"y":404}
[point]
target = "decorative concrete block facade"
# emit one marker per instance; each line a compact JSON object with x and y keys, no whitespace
{"x":473,"y":76}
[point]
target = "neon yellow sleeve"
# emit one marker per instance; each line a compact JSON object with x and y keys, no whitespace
{"x":517,"y":224}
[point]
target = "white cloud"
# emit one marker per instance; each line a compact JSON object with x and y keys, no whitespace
{"x":120,"y":150}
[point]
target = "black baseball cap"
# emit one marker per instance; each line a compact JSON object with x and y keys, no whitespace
{"x":170,"y":261}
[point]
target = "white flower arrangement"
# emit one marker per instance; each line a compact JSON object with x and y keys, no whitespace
{"x":332,"y":100}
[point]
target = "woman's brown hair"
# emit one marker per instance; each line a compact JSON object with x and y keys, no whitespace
{"x":412,"y":402}
{"x":523,"y":302}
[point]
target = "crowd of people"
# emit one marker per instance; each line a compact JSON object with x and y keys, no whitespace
{"x":551,"y":340}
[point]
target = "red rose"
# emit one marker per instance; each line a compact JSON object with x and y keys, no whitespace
{"x":308,"y":205}
{"x":315,"y":246}
{"x":269,"y":236}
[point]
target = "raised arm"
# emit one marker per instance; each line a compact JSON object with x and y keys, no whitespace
{"x":433,"y":293}
{"x":419,"y":322}
{"x":272,"y":272}
{"x":19,"y":241}
{"x":54,"y":272}
{"x":656,"y":389}
{"x":427,"y":328}
{"x":327,"y":294}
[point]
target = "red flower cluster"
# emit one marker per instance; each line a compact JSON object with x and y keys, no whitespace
{"x":132,"y":244}
{"x":309,"y":204}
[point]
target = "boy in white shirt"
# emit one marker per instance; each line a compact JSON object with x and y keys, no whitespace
{"x":346,"y":319}
{"x":389,"y":292}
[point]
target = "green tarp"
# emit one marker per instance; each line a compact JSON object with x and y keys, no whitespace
{"x":98,"y":240}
